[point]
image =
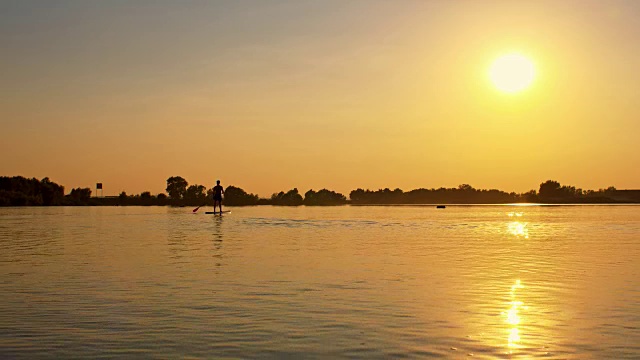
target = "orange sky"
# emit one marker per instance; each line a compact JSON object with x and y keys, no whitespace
{"x":270,"y":95}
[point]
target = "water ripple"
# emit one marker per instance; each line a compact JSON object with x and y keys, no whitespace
{"x":346,"y":282}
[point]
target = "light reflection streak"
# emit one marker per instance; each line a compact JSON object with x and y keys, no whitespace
{"x":518,"y":228}
{"x":513,"y":317}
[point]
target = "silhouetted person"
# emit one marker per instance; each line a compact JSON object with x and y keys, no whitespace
{"x":217,"y":196}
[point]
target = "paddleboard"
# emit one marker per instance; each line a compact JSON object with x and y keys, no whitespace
{"x":218,"y":212}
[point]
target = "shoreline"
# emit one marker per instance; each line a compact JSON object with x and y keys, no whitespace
{"x":342,"y":205}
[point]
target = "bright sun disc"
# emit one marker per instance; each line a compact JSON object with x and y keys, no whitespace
{"x":512,"y":73}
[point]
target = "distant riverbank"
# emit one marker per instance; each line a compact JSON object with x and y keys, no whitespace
{"x":21,"y":191}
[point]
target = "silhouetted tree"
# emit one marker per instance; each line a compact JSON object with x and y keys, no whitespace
{"x":290,"y":198}
{"x":358,"y":196}
{"x":263,"y":201}
{"x":177,"y":187}
{"x":195,"y":195}
{"x":549,"y":189}
{"x":323,"y":197}
{"x":465,"y":187}
{"x":552,"y":191}
{"x":531,"y":196}
{"x":79,"y":196}
{"x":52,"y":193}
{"x":236,"y":196}
{"x":20,"y":191}
{"x":123,"y":199}
{"x":146,"y":198}
{"x":161,"y":199}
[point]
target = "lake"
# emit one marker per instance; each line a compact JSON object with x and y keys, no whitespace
{"x":320,"y":282}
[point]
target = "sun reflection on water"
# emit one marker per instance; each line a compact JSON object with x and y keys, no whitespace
{"x":517,"y":228}
{"x":513,"y":317}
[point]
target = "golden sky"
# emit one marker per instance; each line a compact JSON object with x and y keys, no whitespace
{"x":271,"y":95}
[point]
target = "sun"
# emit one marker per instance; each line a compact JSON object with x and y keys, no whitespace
{"x":512,"y":73}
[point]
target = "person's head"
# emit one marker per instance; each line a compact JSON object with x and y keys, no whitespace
{"x":218,"y":182}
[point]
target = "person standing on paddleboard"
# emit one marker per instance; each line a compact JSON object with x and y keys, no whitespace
{"x":217,"y":196}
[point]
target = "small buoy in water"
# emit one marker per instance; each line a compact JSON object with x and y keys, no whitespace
{"x":440,"y":206}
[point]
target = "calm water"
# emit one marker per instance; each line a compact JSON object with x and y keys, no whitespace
{"x":362,"y":282}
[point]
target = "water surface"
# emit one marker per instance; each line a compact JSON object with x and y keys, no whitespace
{"x":361,"y":282}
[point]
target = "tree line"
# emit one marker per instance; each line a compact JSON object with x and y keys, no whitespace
{"x":21,"y":191}
{"x":180,"y":192}
{"x":550,"y":191}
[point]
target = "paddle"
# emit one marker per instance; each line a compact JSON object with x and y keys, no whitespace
{"x":196,"y":209}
